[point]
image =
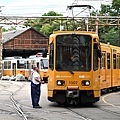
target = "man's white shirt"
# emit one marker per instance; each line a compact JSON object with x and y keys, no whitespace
{"x":35,"y":74}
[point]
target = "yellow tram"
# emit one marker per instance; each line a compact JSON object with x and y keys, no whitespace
{"x":74,"y":67}
{"x":110,"y":68}
{"x":18,"y":68}
{"x":80,"y":67}
{"x":13,"y":68}
{"x":41,"y":63}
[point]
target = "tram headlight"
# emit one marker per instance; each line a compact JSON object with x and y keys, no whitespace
{"x":85,"y":83}
{"x":60,"y":82}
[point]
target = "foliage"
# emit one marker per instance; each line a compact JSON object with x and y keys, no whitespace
{"x":116,"y":6}
{"x":112,"y":36}
{"x":105,"y":10}
{"x":46,"y":29}
{"x":45,"y":25}
{"x":52,"y":13}
{"x":109,"y":33}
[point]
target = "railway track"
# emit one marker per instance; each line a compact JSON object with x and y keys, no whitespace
{"x":97,"y":111}
{"x":16,"y":105}
{"x":81,"y":116}
{"x":103,"y":110}
{"x":14,"y":102}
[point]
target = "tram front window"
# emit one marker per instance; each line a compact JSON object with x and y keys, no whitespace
{"x":44,"y":63}
{"x":73,"y":52}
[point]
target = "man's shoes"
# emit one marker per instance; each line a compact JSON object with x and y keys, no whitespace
{"x":37,"y":106}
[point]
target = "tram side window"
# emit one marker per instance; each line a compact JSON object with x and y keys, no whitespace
{"x":108,"y":61}
{"x":44,"y":63}
{"x":33,"y":63}
{"x":103,"y":61}
{"x":20,"y":64}
{"x":7,"y":65}
{"x":118,"y":61}
{"x":38,"y":65}
{"x":51,"y":56}
{"x":114,"y":61}
{"x":27,"y":65}
{"x":95,"y":57}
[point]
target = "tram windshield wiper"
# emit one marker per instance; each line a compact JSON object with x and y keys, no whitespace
{"x":68,"y":68}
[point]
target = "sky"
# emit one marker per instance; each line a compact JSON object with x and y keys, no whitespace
{"x":39,"y":7}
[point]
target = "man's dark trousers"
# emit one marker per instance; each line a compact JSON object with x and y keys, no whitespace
{"x":35,"y":94}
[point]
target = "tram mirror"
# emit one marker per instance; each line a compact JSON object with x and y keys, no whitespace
{"x":95,"y":46}
{"x":44,"y":52}
{"x":99,"y":53}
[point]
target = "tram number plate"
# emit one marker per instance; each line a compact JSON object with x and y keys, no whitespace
{"x":73,"y":82}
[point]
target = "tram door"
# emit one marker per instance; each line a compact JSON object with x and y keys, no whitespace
{"x":14,"y":69}
{"x":118,"y":66}
{"x":115,"y":70}
{"x":108,"y":69}
{"x":38,"y":65}
{"x":103,"y":70}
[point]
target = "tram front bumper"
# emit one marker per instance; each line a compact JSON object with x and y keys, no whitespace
{"x":72,"y":92}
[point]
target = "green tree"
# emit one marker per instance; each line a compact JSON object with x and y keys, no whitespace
{"x":46,"y":29}
{"x":105,"y":10}
{"x":48,"y":25}
{"x":112,"y":36}
{"x":109,"y":33}
{"x":116,"y":6}
{"x":52,"y":13}
{"x":45,"y":25}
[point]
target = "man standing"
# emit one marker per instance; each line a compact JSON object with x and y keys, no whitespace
{"x":36,"y":88}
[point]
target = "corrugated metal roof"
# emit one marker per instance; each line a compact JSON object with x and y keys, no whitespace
{"x":6,"y":36}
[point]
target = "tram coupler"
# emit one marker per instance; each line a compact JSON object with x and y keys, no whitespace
{"x":72,"y":96}
{"x":72,"y":93}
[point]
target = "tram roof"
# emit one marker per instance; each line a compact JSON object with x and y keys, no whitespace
{"x":14,"y":57}
{"x":72,"y":32}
